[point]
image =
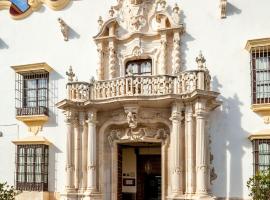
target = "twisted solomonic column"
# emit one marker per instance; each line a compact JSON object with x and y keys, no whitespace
{"x":163,"y":54}
{"x":100,"y":70}
{"x":176,"y":66}
{"x":112,"y":60}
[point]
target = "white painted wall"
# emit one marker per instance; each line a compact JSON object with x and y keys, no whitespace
{"x":38,"y":39}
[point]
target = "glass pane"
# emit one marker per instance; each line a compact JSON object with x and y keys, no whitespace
{"x":132,"y":68}
{"x":264,"y":156}
{"x":146,"y":67}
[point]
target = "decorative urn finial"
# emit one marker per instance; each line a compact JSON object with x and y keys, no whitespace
{"x":201,"y":61}
{"x":70,"y":74}
{"x":100,"y":22}
{"x":111,"y":12}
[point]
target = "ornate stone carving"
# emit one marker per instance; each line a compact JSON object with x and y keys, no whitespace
{"x":136,"y":2}
{"x":201,"y":61}
{"x":132,"y":119}
{"x":137,"y":51}
{"x":100,"y":22}
{"x":163,"y":54}
{"x":64,"y":28}
{"x":176,"y":54}
{"x":70,"y":74}
{"x":139,"y":134}
{"x":112,"y":60}
{"x":176,"y":14}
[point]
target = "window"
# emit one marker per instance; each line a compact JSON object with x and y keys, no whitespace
{"x":32,"y":167}
{"x":260,"y":75}
{"x":261,"y":154}
{"x":32,"y":93}
{"x":139,"y":67}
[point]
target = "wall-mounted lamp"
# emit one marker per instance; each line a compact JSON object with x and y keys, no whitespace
{"x":1,"y":134}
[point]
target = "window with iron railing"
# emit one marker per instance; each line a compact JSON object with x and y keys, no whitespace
{"x":32,"y":93}
{"x":32,"y":167}
{"x":139,"y":67}
{"x":260,"y":75}
{"x":261,"y":154}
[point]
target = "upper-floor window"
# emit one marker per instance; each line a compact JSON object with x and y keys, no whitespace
{"x":32,"y":167}
{"x":32,"y":93}
{"x":261,"y":154}
{"x":139,"y":67}
{"x":260,"y":74}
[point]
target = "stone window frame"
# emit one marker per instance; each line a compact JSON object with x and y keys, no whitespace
{"x":261,"y":154}
{"x":259,"y":106}
{"x":28,"y":169}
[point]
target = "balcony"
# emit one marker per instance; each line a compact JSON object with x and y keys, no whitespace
{"x":139,"y":88}
{"x":26,"y":111}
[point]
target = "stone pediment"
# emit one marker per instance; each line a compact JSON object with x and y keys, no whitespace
{"x":146,"y":17}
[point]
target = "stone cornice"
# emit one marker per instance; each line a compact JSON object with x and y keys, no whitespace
{"x":256,"y":43}
{"x":32,"y":67}
{"x":263,"y":134}
{"x":32,"y":140}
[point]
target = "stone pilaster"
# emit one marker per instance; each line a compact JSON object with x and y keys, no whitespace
{"x":77,"y":147}
{"x":91,"y":157}
{"x":190,"y":151}
{"x":202,"y":164}
{"x":84,"y":127}
{"x":177,"y":142}
{"x":69,"y":152}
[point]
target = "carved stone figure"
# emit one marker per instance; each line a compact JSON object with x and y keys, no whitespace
{"x":64,"y":28}
{"x":132,"y":119}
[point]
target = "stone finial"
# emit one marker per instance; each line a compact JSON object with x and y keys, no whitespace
{"x":111,"y":12}
{"x":70,"y":74}
{"x":200,"y":61}
{"x":176,"y":8}
{"x":64,"y":28}
{"x":100,"y":22}
{"x":92,"y":80}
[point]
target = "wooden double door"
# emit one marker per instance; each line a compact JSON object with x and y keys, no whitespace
{"x":148,"y":181}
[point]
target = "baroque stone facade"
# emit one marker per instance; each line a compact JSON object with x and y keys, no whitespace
{"x":169,"y":107}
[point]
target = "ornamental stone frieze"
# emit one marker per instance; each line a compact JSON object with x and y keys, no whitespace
{"x":20,"y":9}
{"x":139,"y":134}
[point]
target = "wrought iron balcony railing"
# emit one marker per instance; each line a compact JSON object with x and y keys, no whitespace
{"x":26,"y":111}
{"x":185,"y":82}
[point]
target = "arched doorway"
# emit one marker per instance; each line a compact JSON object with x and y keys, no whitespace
{"x":138,"y":161}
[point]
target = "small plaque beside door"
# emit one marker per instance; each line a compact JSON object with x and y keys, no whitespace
{"x":128,"y":182}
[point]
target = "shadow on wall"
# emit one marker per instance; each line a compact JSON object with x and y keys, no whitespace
{"x":228,"y":144}
{"x":232,"y":10}
{"x":184,"y":40}
{"x":53,"y":162}
{"x":53,"y":99}
{"x":3,"y":45}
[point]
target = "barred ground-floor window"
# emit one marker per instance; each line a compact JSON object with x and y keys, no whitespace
{"x":32,"y":167}
{"x":261,"y":154}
